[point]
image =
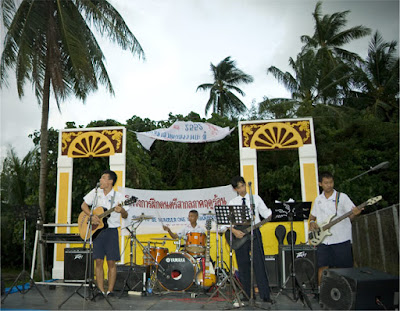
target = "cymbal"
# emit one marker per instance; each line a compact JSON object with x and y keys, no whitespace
{"x":164,"y":239}
{"x":142,"y":217}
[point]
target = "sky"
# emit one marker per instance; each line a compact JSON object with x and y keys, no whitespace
{"x":180,"y":39}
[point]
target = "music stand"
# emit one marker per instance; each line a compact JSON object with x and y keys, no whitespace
{"x":293,"y":211}
{"x":89,"y":282}
{"x":25,"y":212}
{"x":231,"y":215}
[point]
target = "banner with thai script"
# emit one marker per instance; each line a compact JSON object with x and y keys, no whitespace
{"x":171,"y":207}
{"x":184,"y":132}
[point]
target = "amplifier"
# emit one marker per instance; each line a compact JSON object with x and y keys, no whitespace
{"x":271,"y":264}
{"x":359,"y":289}
{"x":305,"y":266}
{"x":133,"y":276}
{"x":75,"y":265}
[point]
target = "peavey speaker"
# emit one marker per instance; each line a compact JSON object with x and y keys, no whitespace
{"x":75,"y":265}
{"x":133,"y":276}
{"x":305,"y":266}
{"x":271,"y":264}
{"x":358,"y":289}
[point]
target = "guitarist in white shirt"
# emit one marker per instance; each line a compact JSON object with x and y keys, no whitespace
{"x":336,"y":249}
{"x":106,"y":243}
{"x":243,"y":253}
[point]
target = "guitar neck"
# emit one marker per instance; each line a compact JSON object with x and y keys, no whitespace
{"x":106,"y":213}
{"x":339,"y":219}
{"x":247,"y":230}
{"x":208,"y":247}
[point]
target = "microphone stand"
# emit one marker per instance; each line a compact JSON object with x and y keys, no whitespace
{"x":88,"y":282}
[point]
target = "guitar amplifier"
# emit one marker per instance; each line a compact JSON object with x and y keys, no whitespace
{"x":271,"y":265}
{"x":133,"y":276}
{"x":305,"y":266}
{"x":75,"y":265}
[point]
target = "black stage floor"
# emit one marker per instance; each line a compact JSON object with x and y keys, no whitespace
{"x":192,"y":299}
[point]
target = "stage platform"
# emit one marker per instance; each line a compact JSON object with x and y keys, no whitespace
{"x":162,"y":300}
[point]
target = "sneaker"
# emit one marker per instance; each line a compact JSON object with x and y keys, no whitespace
{"x":110,"y":294}
{"x":237,"y":305}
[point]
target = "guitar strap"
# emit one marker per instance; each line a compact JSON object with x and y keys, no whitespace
{"x":112,"y":199}
{"x":337,"y":202}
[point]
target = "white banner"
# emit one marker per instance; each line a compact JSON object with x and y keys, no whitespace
{"x":184,"y":132}
{"x":172,"y":207}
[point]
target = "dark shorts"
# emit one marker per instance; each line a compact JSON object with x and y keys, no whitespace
{"x":335,"y":255}
{"x":106,"y":244}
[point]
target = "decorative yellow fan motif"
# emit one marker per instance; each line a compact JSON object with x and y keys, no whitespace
{"x":91,"y":144}
{"x":276,"y":136}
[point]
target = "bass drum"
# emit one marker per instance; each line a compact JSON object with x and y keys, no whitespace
{"x":177,"y":271}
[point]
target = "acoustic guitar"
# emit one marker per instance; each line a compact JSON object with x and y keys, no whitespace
{"x":102,"y":213}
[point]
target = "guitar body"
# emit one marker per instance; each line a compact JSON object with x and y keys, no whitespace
{"x":102,"y":213}
{"x":236,"y":243}
{"x":315,"y":237}
{"x":206,"y":278}
{"x":83,"y":223}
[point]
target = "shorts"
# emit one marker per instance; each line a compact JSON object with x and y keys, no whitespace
{"x":335,"y":255}
{"x":107,"y":244}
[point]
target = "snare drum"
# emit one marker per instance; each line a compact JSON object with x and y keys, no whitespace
{"x":158,"y":254}
{"x":195,"y":243}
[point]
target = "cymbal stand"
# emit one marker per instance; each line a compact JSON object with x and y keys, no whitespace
{"x":132,"y":244}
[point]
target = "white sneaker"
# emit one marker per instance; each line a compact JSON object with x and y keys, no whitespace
{"x":236,"y":304}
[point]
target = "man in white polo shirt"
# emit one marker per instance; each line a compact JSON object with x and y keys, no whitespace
{"x":335,"y":250}
{"x":106,"y":244}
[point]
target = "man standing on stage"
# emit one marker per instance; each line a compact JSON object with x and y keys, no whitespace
{"x":243,"y":253}
{"x":336,"y":249}
{"x":106,"y":244}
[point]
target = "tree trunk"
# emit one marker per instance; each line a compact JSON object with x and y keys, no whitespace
{"x":43,"y":156}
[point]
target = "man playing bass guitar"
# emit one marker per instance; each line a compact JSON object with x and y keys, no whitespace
{"x":335,"y":250}
{"x":106,"y":242}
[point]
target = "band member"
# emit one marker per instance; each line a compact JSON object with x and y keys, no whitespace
{"x":335,"y":250}
{"x":243,"y":253}
{"x":106,"y":243}
{"x":192,"y":226}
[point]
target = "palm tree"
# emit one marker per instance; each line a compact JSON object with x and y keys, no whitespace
{"x":377,"y":80}
{"x":327,"y":41}
{"x":226,"y":78}
{"x":50,"y":43}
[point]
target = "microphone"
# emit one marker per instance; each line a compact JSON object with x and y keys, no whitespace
{"x":249,"y":183}
{"x":98,"y":185}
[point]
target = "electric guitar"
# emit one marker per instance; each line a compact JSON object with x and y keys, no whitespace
{"x":236,"y":242}
{"x":207,"y":278}
{"x":316,"y":236}
{"x":102,"y":213}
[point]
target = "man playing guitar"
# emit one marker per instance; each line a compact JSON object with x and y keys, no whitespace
{"x":335,"y":250}
{"x":106,"y":242}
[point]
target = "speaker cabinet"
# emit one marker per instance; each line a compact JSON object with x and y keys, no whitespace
{"x":358,"y":289}
{"x":134,"y":277}
{"x":271,"y":264}
{"x":305,"y":266}
{"x":75,"y":265}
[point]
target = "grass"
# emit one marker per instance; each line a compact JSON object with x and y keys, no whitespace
{"x":9,"y":275}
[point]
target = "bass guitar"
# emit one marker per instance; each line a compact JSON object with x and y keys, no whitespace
{"x":316,"y":236}
{"x":207,"y":278}
{"x":102,"y":213}
{"x":236,"y":242}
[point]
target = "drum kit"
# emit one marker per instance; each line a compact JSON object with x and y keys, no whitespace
{"x":177,"y":270}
